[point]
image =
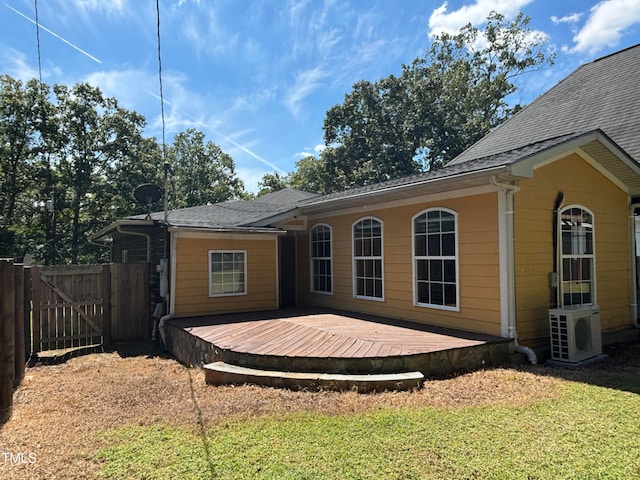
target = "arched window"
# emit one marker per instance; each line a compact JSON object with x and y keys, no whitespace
{"x":368,"y":275}
{"x":577,"y":256}
{"x":435,"y":259}
{"x":321,"y":264}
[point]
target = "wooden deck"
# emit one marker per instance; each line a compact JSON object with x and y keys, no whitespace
{"x":307,"y":340}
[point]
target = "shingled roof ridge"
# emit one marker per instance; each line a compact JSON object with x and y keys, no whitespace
{"x":558,"y":138}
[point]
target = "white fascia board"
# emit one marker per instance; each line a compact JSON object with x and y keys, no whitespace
{"x":120,"y":223}
{"x":226,"y":235}
{"x":410,"y":200}
{"x":524,"y":168}
{"x":372,"y":197}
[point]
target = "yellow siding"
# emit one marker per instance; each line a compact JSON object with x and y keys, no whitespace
{"x":582,"y":185}
{"x":479,"y":276}
{"x":192,"y":282}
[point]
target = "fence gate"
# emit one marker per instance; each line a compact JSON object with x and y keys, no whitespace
{"x":71,"y":306}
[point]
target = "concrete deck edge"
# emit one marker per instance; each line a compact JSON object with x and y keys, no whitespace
{"x":221,"y":373}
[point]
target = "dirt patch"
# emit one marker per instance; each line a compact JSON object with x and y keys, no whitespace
{"x":60,"y":410}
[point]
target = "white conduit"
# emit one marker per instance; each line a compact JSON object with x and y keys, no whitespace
{"x":510,"y":190}
{"x":632,"y":264}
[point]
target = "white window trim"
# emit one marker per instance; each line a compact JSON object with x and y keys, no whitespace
{"x":562,"y":256}
{"x":354,"y":259}
{"x":232,"y":294}
{"x":312,"y":258}
{"x":414,"y":259}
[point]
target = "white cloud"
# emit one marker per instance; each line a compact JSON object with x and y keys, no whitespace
{"x":17,"y":66}
{"x":443,"y":21}
{"x":317,"y":149}
{"x":607,"y":22}
{"x":128,"y":86}
{"x":251,"y":177}
{"x":572,"y":18}
{"x":203,"y":28}
{"x":305,"y":83}
{"x":100,"y":7}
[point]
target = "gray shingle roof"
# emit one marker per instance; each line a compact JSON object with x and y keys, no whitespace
{"x":603,"y":94}
{"x":486,"y":165}
{"x":235,"y":214}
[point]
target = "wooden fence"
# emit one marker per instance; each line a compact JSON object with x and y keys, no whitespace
{"x":66,"y":307}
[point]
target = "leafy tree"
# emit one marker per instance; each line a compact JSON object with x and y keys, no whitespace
{"x":24,"y":130}
{"x":366,"y":137}
{"x":201,"y":172}
{"x":311,"y":175}
{"x":474,"y":79}
{"x":85,"y":137}
{"x":272,"y":182}
{"x":441,"y":104}
{"x":70,"y":159}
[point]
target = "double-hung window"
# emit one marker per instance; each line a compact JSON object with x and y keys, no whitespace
{"x":321,"y":267}
{"x":435,"y":259}
{"x":368,"y":276}
{"x":227,"y":272}
{"x":577,"y":255}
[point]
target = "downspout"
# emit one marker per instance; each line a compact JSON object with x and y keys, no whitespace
{"x":553,"y":281}
{"x":510,"y":190}
{"x":632,"y":264}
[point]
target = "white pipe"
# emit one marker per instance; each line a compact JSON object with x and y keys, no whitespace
{"x":163,"y":334}
{"x":530,"y":354}
{"x":510,"y":190}
{"x":632,"y":264}
{"x":146,"y":235}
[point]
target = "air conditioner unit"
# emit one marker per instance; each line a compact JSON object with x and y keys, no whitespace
{"x":575,"y":333}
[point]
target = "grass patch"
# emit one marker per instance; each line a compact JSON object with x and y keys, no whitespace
{"x":589,"y":432}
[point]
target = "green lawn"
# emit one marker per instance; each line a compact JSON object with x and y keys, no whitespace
{"x":588,"y":432}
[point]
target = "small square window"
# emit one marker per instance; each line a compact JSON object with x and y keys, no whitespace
{"x":227,"y":273}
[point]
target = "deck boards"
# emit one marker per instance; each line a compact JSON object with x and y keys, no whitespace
{"x":320,"y":334}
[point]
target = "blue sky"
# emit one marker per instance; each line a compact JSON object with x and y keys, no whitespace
{"x":257,"y":76}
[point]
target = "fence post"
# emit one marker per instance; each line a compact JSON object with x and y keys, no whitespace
{"x":7,"y":358}
{"x":106,"y":304}
{"x":18,"y":272}
{"x":35,"y":309}
{"x":26,"y":287}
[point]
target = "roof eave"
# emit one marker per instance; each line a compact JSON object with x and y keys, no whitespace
{"x":473,"y":178}
{"x":248,"y":230}
{"x":126,"y":222}
{"x":630,"y":181}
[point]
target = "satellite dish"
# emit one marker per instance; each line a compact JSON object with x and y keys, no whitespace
{"x":147,"y":193}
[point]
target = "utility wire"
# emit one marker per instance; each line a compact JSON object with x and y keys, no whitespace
{"x":160,"y":79}
{"x":38,"y":42}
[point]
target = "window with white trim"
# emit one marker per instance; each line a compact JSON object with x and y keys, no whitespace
{"x":435,"y":259}
{"x":577,"y":256}
{"x":321,"y":264}
{"x":227,"y":272}
{"x":368,"y":276}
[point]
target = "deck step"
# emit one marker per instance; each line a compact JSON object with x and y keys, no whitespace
{"x":221,"y":373}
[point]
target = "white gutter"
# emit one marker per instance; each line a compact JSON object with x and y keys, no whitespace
{"x":311,"y":205}
{"x":632,"y":265}
{"x":125,"y":223}
{"x":510,"y":287}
